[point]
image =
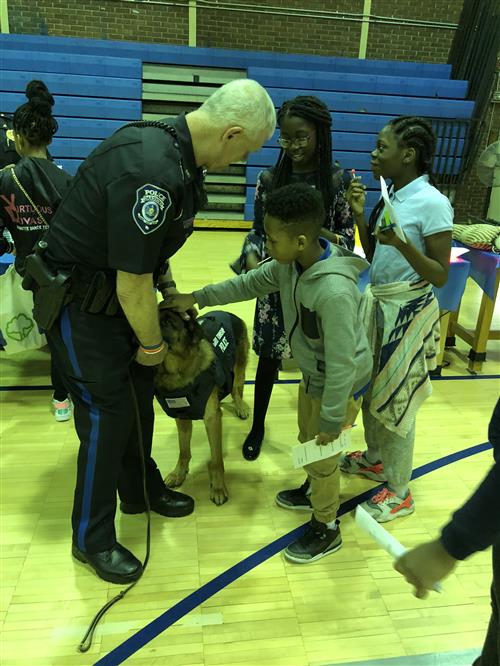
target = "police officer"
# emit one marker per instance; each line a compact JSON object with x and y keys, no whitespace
{"x":131,"y":207}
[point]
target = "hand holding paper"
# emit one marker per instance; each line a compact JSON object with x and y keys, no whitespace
{"x":309,"y":452}
{"x":389,"y":219}
{"x":382,"y":537}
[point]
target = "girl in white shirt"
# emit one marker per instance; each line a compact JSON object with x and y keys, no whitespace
{"x":405,"y":313}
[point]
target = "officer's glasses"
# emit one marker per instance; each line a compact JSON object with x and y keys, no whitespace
{"x":300,"y":142}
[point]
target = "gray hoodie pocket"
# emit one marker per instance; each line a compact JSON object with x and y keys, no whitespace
{"x":309,"y":323}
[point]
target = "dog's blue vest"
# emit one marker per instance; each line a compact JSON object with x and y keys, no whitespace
{"x":189,"y":402}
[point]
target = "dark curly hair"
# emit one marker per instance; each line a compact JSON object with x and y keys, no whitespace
{"x":34,"y":119}
{"x":297,"y":206}
{"x":417,"y":133}
{"x":316,"y":112}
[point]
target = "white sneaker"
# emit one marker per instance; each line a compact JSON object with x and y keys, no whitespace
{"x":62,"y":410}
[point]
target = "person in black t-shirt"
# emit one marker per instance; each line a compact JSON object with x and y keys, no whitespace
{"x":30,"y":192}
{"x":129,"y":208}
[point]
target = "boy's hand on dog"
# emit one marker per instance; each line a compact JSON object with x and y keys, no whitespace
{"x":151,"y":360}
{"x":323,"y":438}
{"x":180,"y":302}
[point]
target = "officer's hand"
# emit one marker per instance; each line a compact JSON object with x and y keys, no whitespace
{"x":180,"y":302}
{"x":148,"y":359}
{"x":323,"y":438}
{"x":425,"y":565}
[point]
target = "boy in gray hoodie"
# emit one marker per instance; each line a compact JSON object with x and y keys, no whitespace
{"x":321,"y":308}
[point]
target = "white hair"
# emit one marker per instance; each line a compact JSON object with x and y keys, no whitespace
{"x":242,"y":102}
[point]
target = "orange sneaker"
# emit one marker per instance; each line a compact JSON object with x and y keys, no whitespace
{"x":357,"y":463}
{"x":386,"y":505}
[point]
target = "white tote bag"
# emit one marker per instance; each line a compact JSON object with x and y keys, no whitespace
{"x":18,"y":327}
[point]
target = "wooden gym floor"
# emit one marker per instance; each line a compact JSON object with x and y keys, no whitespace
{"x":348,"y":607}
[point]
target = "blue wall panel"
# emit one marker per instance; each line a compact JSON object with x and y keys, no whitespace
{"x":69,"y":63}
{"x":184,"y":55}
{"x":97,"y":86}
{"x":85,"y":128}
{"x":74,"y":84}
{"x":80,"y":106}
{"x":359,"y":83}
{"x":381,"y":104}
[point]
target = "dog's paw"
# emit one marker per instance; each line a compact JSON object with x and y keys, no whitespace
{"x":218,"y":490}
{"x":219,"y":495}
{"x":242,"y":410}
{"x":176,"y":478}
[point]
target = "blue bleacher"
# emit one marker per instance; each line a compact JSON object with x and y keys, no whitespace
{"x":97,"y":86}
{"x":184,"y":55}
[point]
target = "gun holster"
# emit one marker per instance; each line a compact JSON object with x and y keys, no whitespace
{"x":51,"y":290}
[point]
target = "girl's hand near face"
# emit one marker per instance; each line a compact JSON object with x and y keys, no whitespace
{"x":356,"y":196}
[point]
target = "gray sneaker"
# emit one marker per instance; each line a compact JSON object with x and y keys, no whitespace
{"x":357,"y":463}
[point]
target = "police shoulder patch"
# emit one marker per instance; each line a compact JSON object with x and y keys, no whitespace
{"x":150,"y":208}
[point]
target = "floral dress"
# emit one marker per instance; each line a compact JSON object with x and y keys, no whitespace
{"x":269,"y":337}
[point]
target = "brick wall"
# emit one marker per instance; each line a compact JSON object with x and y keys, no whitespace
{"x":112,"y":19}
{"x":407,"y":42}
{"x":100,"y":19}
{"x":284,"y":32}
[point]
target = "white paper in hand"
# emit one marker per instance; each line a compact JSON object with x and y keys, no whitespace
{"x":378,"y":533}
{"x":388,"y":217}
{"x":309,"y":452}
{"x":382,"y":536}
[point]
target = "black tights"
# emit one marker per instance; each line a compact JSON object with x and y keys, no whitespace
{"x":267,"y":373}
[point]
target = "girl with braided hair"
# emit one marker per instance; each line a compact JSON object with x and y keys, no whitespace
{"x":402,"y":310}
{"x":305,"y":156}
{"x":30,"y":192}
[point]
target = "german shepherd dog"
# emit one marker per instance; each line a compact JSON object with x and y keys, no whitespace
{"x":192,"y":368}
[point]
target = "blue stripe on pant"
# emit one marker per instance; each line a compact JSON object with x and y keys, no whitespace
{"x":94,"y":353}
{"x":94,"y":430}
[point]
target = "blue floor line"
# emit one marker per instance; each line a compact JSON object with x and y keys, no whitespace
{"x":48,"y":387}
{"x":199,"y":596}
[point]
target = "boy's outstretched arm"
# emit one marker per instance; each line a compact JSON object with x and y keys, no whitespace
{"x":259,"y":282}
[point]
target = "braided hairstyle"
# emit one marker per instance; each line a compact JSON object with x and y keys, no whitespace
{"x":417,"y":133}
{"x":34,"y":119}
{"x":316,"y":112}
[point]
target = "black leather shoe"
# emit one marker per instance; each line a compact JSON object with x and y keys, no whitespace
{"x":252,"y":444}
{"x":170,"y":503}
{"x":116,"y":565}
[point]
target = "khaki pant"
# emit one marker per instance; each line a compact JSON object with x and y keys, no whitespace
{"x":323,"y":475}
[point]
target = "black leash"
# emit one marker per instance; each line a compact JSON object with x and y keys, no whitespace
{"x":86,"y":641}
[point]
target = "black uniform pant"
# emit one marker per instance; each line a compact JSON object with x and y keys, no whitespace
{"x":94,"y":354}
{"x":490,"y":656}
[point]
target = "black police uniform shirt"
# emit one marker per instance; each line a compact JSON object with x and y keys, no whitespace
{"x":189,"y":402}
{"x":131,"y":204}
{"x":46,"y":184}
